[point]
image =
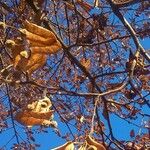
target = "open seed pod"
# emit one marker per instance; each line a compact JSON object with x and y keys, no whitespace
{"x":29,"y":119}
{"x":91,"y":147}
{"x":31,"y":64}
{"x":67,"y":146}
{"x":37,"y":113}
{"x":90,"y":141}
{"x":42,"y":105}
{"x":36,"y":38}
{"x":83,"y":146}
{"x":40,"y":39}
{"x":38,"y":30}
{"x":41,"y":42}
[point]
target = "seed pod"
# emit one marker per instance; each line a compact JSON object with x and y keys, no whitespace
{"x":67,"y":146}
{"x":38,"y":30}
{"x":46,"y":50}
{"x":37,"y":39}
{"x":92,"y":142}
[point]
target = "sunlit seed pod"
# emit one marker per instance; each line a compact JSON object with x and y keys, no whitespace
{"x":34,"y":62}
{"x":91,"y":147}
{"x":10,"y":43}
{"x":67,"y":146}
{"x":37,"y":39}
{"x":52,"y":49}
{"x":24,"y":54}
{"x":91,"y":141}
{"x":82,"y":148}
{"x":38,"y":30}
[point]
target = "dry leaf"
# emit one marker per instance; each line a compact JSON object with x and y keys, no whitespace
{"x":42,"y":105}
{"x":92,"y":142}
{"x":35,"y":62}
{"x":37,"y":39}
{"x":41,"y":115}
{"x":31,"y":64}
{"x":10,"y":43}
{"x":41,"y":43}
{"x":84,"y":146}
{"x":42,"y":38}
{"x":91,"y":147}
{"x":2,"y":24}
{"x":26,"y":118}
{"x":67,"y":146}
{"x":46,"y":50}
{"x":38,"y":30}
{"x":24,"y":54}
{"x":37,"y":113}
{"x":20,"y":62}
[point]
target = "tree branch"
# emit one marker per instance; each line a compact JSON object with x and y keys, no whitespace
{"x":130,"y":30}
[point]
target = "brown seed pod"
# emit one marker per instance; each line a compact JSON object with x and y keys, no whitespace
{"x":47,"y":49}
{"x":30,"y":119}
{"x":92,"y":142}
{"x":91,"y":147}
{"x":31,"y":64}
{"x":38,"y":30}
{"x":37,"y":39}
{"x":67,"y":146}
{"x":37,"y":113}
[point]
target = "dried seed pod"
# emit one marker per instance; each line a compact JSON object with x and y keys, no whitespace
{"x":83,"y":146}
{"x":67,"y":146}
{"x":41,"y":43}
{"x":16,"y":49}
{"x":42,"y":115}
{"x":10,"y":43}
{"x":46,"y":50}
{"x":34,"y":62}
{"x":38,"y":30}
{"x":92,"y":142}
{"x":37,"y":113}
{"x":24,"y":54}
{"x":2,"y":24}
{"x":25,"y":118}
{"x":37,"y":39}
{"x":42,"y":105}
{"x":29,"y":118}
{"x":91,"y":147}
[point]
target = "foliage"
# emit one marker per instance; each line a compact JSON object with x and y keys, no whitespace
{"x":87,"y":60}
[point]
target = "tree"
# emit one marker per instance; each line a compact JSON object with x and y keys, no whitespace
{"x":78,"y":63}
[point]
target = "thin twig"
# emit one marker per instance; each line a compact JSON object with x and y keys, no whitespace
{"x":94,"y":114}
{"x":130,"y":30}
